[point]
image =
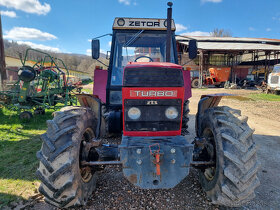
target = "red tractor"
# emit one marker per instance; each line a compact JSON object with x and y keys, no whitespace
{"x":146,"y":102}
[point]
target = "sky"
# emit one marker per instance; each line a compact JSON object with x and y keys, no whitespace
{"x":68,"y":25}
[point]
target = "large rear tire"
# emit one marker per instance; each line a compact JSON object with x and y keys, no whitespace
{"x":64,"y":182}
{"x":233,"y":179}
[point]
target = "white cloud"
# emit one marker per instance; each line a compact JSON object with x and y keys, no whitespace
{"x":180,"y":27}
{"x":251,"y":29}
{"x":268,"y":29}
{"x":40,"y":46}
{"x":109,"y":43}
{"x":88,"y":52}
{"x":212,"y":1}
{"x":125,"y":2}
{"x":22,"y":33}
{"x":29,"y":6}
{"x":196,"y":33}
{"x":128,"y":2}
{"x":276,"y":17}
{"x":10,"y":14}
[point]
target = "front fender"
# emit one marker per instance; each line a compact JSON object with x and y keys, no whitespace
{"x":206,"y":102}
{"x":91,"y":101}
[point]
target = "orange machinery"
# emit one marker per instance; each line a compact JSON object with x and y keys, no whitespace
{"x":218,"y":76}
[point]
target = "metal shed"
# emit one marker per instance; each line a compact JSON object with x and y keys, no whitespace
{"x":232,"y":50}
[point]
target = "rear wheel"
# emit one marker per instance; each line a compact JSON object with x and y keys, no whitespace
{"x":39,"y":111}
{"x":233,"y":178}
{"x":64,"y":182}
{"x":25,"y":115}
{"x":195,"y":83}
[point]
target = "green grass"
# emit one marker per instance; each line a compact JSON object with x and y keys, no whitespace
{"x":19,"y":142}
{"x":255,"y":97}
{"x":264,"y":97}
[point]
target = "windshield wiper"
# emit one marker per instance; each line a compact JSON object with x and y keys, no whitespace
{"x":133,"y":38}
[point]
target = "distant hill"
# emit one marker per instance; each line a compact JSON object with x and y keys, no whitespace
{"x":77,"y":62}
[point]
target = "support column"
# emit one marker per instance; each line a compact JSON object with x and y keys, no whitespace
{"x":201,"y":67}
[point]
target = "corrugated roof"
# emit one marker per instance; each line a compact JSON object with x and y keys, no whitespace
{"x":231,"y":43}
{"x":239,"y":39}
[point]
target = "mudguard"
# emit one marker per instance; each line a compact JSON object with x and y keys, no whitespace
{"x":91,"y":101}
{"x":205,"y":102}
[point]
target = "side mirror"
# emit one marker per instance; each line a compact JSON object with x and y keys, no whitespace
{"x":192,"y":49}
{"x":95,"y":48}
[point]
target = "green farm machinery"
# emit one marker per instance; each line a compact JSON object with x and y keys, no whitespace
{"x":41,"y":86}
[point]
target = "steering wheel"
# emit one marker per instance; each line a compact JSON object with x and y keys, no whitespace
{"x":143,"y":56}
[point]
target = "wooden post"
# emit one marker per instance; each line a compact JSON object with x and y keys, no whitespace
{"x":3,"y":75}
{"x":267,"y":63}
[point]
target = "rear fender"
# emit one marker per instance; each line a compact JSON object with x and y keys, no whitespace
{"x":100,"y":82}
{"x":94,"y":103}
{"x":206,"y":102}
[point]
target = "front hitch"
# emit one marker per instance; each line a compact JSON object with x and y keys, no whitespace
{"x":155,"y":162}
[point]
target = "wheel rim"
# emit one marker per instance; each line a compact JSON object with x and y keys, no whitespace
{"x":209,"y":173}
{"x":86,"y":172}
{"x":25,"y":116}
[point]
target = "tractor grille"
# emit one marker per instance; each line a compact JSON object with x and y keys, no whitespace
{"x":153,"y":77}
{"x":274,"y":79}
{"x":152,"y":116}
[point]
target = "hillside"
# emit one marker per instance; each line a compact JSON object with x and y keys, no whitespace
{"x":77,"y":62}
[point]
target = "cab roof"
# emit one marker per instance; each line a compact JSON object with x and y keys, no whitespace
{"x":142,"y":24}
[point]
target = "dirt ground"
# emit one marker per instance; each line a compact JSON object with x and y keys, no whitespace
{"x":115,"y":192}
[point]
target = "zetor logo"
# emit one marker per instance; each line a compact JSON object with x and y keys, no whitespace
{"x":153,"y":93}
{"x":144,"y":23}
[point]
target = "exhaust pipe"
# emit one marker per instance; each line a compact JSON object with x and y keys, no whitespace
{"x":169,"y":34}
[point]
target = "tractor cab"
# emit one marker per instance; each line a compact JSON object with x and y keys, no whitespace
{"x":133,"y":40}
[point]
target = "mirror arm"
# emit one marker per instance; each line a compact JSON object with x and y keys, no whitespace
{"x":188,"y":62}
{"x":102,"y":36}
{"x":102,"y":63}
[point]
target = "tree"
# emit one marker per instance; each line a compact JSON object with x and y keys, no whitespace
{"x":221,"y":33}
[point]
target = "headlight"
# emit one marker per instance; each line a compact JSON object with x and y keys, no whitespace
{"x":134,"y":113}
{"x":171,"y":113}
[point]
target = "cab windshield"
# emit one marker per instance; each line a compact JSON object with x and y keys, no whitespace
{"x":140,"y":46}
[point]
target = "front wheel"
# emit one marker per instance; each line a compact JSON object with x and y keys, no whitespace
{"x":233,"y":179}
{"x":64,"y":182}
{"x":185,"y":118}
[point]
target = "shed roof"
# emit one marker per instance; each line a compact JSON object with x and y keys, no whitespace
{"x":231,"y":43}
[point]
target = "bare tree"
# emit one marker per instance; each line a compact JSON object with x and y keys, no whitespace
{"x":221,"y":33}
